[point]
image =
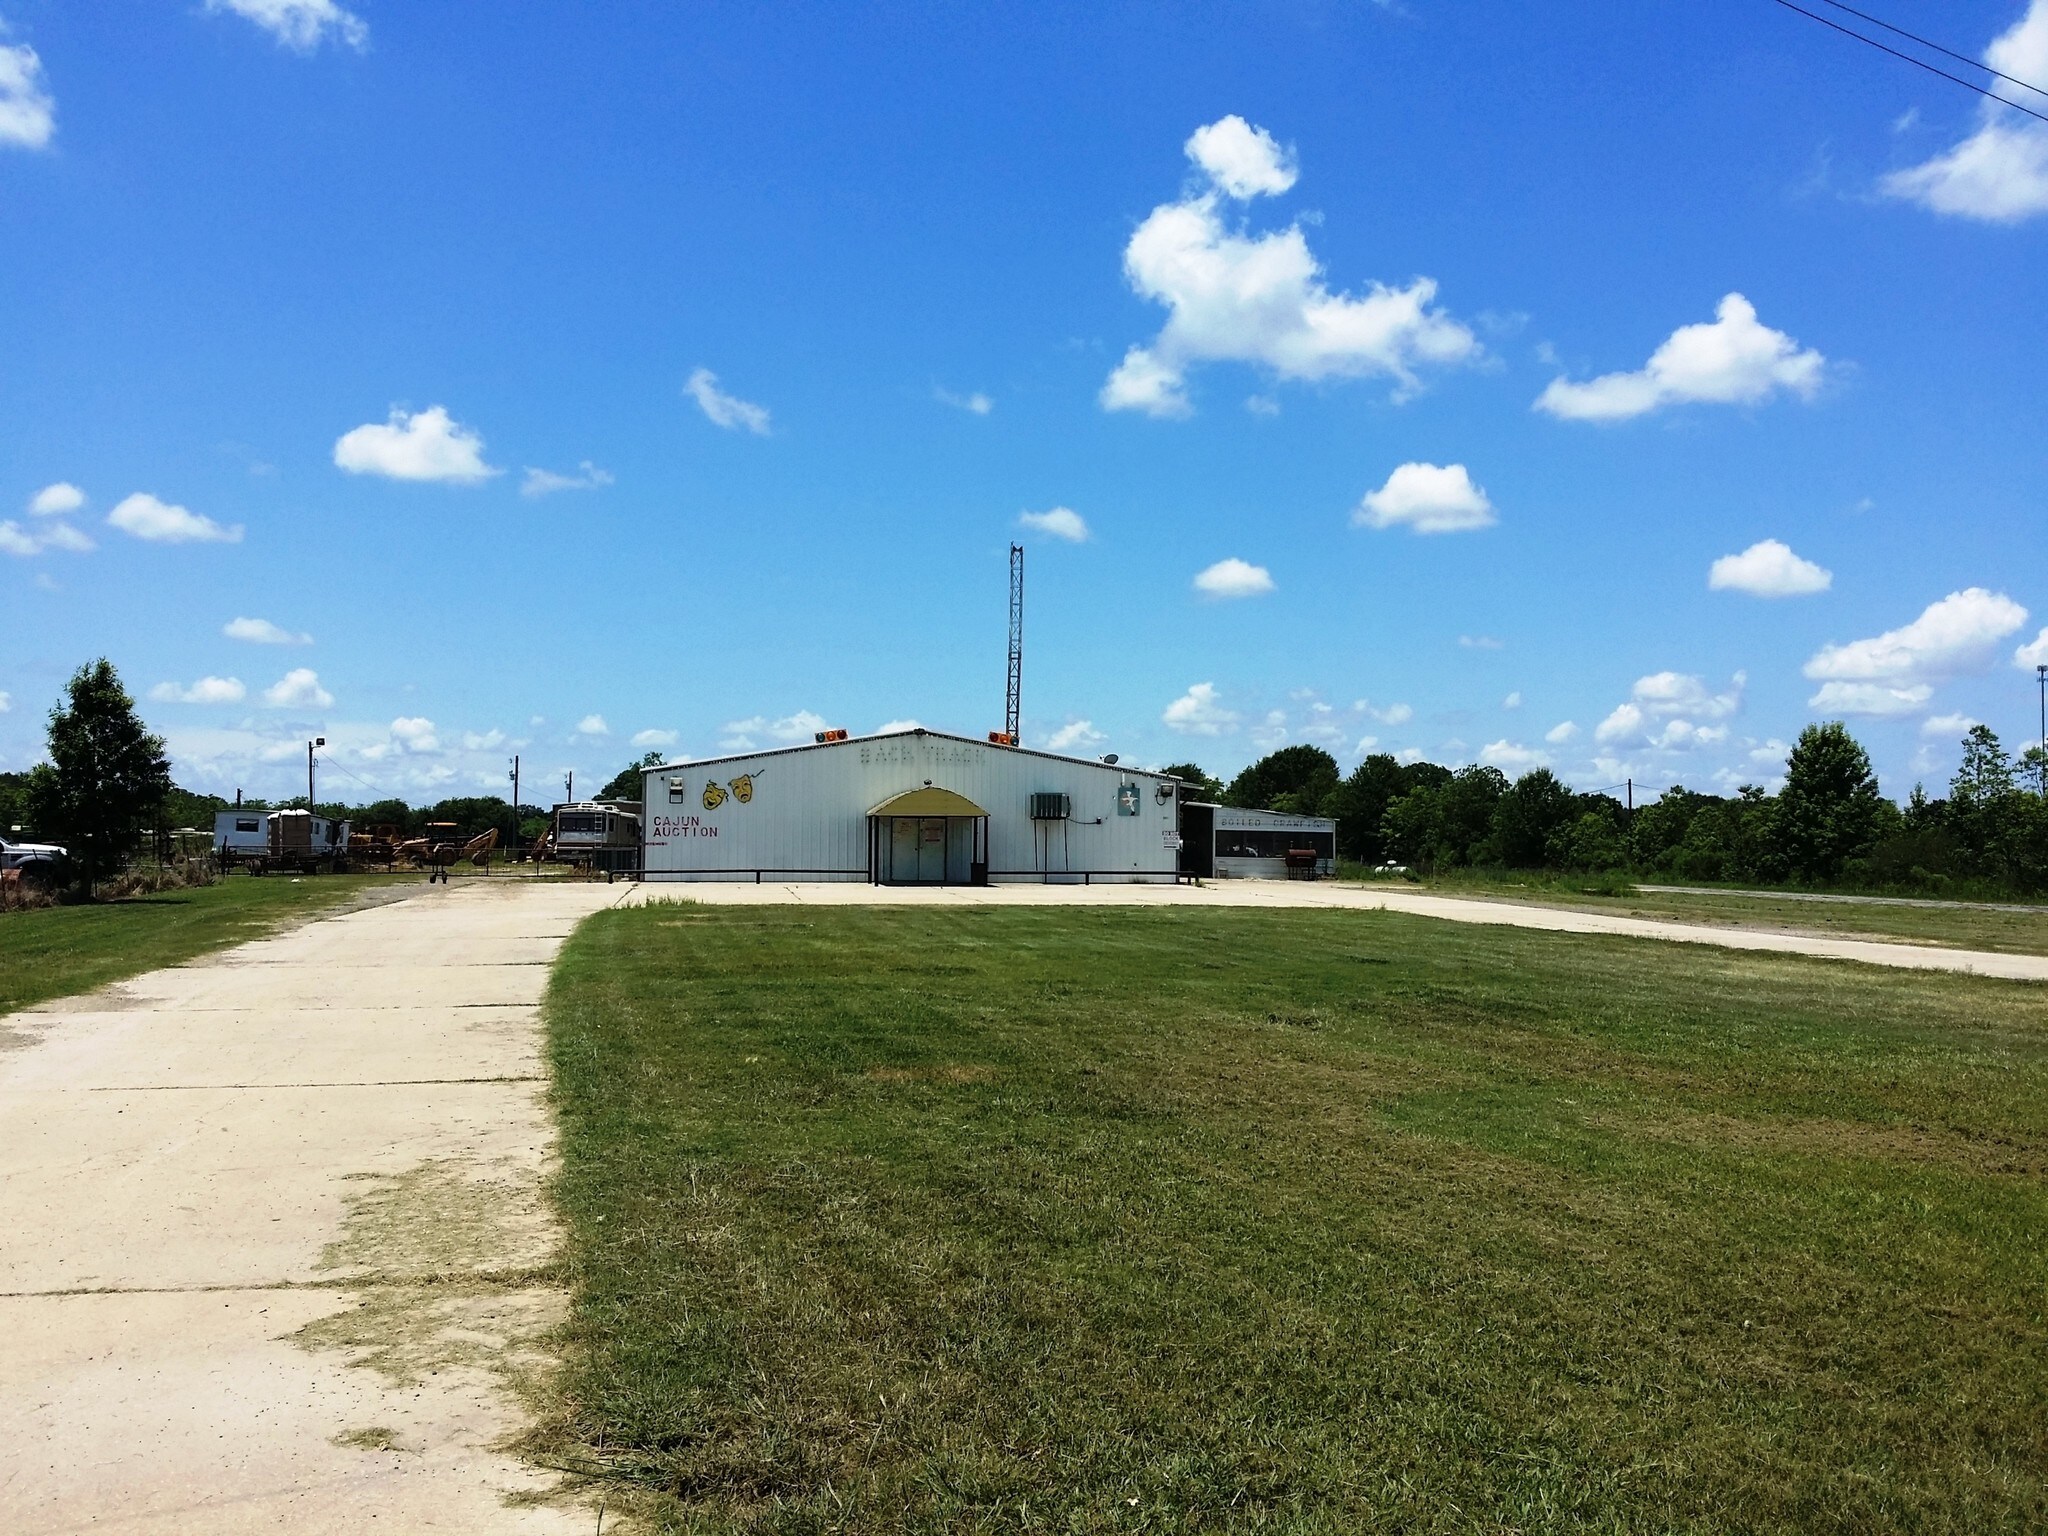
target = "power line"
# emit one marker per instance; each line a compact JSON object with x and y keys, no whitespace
{"x":1968,"y":85}
{"x":1963,"y":58}
{"x":331,"y":763}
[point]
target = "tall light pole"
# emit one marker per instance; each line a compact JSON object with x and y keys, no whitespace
{"x":317,"y":741}
{"x":2041,"y":676}
{"x":515,"y":802}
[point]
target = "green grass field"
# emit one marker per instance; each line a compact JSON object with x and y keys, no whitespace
{"x":1959,"y":926}
{"x":1168,"y":1221}
{"x":59,"y":951}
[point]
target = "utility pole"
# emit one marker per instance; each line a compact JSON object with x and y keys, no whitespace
{"x":1013,"y":694}
{"x":317,"y":741}
{"x":1631,"y":797}
{"x":515,"y":802}
{"x":569,"y":794}
{"x":2041,"y":676}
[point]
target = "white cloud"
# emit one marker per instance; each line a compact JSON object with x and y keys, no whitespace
{"x":1392,"y":714}
{"x":28,"y":112}
{"x":299,"y":24}
{"x":1682,"y":735}
{"x":482,"y":741}
{"x":2032,"y":654}
{"x":741,"y":735}
{"x":1733,"y":361}
{"x":592,"y":725}
{"x":208,"y":690}
{"x":420,"y":445}
{"x":159,"y":522}
{"x":6,"y":702}
{"x":1480,"y":643}
{"x":1512,"y":757}
{"x":1999,"y":174}
{"x":1365,"y":745}
{"x":56,"y":500}
{"x":1059,"y":523}
{"x":263,"y":632}
{"x":1681,"y":693}
{"x":1768,"y":569}
{"x":897,"y":727}
{"x":1561,"y":733}
{"x":655,"y":738}
{"x":1770,"y":754}
{"x":1512,"y":701}
{"x":545,"y":482}
{"x":1270,"y":734}
{"x":298,"y":689}
{"x":1429,"y":498}
{"x":415,"y":733}
{"x":976,"y":404}
{"x":1199,"y":712}
{"x":725,"y":410}
{"x":24,"y":542}
{"x":1890,"y":673}
{"x":64,"y":536}
{"x":1625,"y":723}
{"x":1262,"y":405}
{"x":1075,"y":736}
{"x":1243,"y":161}
{"x":1870,"y":698}
{"x":1678,"y":698}
{"x":1237,"y":297}
{"x":1234,"y":578}
{"x":1947,"y":725}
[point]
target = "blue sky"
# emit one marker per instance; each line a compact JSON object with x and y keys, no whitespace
{"x":1386,"y":356}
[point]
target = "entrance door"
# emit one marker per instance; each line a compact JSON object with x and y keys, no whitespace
{"x":917,"y":850}
{"x":931,"y":850}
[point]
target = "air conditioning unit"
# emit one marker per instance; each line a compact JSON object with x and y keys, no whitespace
{"x":1051,"y":806}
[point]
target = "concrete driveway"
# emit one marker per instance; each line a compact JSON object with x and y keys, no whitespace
{"x":272,"y":1234}
{"x":1275,"y":894}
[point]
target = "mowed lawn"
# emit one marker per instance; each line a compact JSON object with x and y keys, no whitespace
{"x":1119,"y":1220}
{"x":60,"y":951}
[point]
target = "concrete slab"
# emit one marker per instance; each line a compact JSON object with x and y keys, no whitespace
{"x":221,"y":1189}
{"x":1289,"y":894}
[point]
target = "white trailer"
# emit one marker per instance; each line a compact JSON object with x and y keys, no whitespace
{"x":911,"y":808}
{"x":1227,"y":842}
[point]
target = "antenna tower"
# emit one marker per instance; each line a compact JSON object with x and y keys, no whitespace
{"x":1013,"y":696}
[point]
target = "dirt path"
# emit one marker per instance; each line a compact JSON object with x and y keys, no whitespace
{"x":1457,"y":909}
{"x":272,"y":1234}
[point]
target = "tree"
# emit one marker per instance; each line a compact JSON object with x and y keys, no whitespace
{"x":1298,"y":779}
{"x":1830,"y":810}
{"x":1527,"y":817}
{"x":626,"y":784}
{"x":1360,"y":806}
{"x":1200,"y":785}
{"x":107,"y":777}
{"x":1985,"y":812}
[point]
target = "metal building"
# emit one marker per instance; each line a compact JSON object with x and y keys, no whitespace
{"x":911,"y":808}
{"x":1227,"y":842}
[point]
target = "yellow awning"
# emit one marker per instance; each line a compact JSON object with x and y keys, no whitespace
{"x":929,"y":801}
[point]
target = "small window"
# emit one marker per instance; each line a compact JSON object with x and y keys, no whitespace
{"x":245,"y":824}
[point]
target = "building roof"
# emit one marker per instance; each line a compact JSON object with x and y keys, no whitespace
{"x":852,"y":741}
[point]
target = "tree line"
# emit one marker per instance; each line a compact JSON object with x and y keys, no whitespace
{"x":1829,"y":825}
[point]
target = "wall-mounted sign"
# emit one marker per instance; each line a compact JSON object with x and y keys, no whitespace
{"x":1127,"y":799}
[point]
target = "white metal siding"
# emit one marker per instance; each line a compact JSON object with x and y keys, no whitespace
{"x":807,"y":811}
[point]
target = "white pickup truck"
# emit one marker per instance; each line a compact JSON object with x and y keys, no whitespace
{"x":34,"y":860}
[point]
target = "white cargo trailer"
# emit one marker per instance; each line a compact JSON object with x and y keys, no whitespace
{"x":1227,"y":842}
{"x":910,"y":808}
